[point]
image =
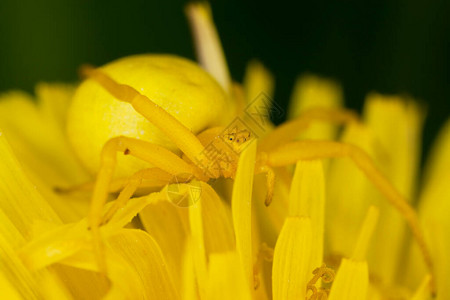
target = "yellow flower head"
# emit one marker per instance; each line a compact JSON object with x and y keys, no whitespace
{"x":171,"y":182}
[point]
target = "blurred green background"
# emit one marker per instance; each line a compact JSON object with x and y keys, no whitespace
{"x":386,"y":46}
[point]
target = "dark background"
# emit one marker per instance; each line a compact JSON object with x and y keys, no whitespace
{"x":386,"y":46}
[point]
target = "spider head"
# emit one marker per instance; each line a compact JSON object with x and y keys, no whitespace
{"x":222,"y":149}
{"x":237,"y":138}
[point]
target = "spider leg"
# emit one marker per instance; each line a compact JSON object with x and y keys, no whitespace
{"x":133,"y":183}
{"x":180,"y":135}
{"x":270,"y":179}
{"x":289,"y":130}
{"x":157,"y":179}
{"x":154,"y":154}
{"x":309,"y":150}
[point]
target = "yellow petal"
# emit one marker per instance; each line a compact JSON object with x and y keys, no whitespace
{"x":433,"y":213}
{"x":437,"y":228}
{"x":241,"y":206}
{"x":438,"y":159}
{"x":217,"y":224}
{"x":198,"y":245}
{"x":54,"y":102}
{"x":397,"y":124}
{"x":423,"y":292}
{"x":135,"y":205}
{"x":226,"y":279}
{"x":7,"y":289}
{"x":136,"y":267}
{"x":125,"y":283}
{"x":55,"y":245}
{"x":60,"y":242}
{"x":307,"y":198}
{"x":189,"y":285}
{"x":352,"y":278}
{"x":259,"y":106}
{"x":351,"y":281}
{"x":434,"y":202}
{"x":365,"y":234}
{"x":34,"y":134}
{"x":19,"y":199}
{"x":291,"y":260}
{"x":216,"y":234}
{"x":207,"y":43}
{"x":440,"y":245}
{"x":80,"y":283}
{"x":159,"y":219}
{"x":16,"y":280}
{"x":347,"y":195}
{"x":143,"y":254}
{"x":270,"y":221}
{"x":309,"y":92}
{"x":14,"y":276}
{"x":257,"y":80}
{"x":53,"y":288}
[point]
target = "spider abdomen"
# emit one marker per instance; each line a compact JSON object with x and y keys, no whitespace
{"x":176,"y":84}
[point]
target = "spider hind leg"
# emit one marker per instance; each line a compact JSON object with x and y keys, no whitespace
{"x":308,"y":150}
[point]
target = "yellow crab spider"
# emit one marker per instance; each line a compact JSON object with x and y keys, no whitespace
{"x":276,"y":149}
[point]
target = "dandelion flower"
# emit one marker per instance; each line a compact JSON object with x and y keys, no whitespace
{"x":328,"y":232}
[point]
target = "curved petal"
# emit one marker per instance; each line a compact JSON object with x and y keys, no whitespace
{"x":291,"y":259}
{"x":241,"y":204}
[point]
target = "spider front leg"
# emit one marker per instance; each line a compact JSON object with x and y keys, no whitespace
{"x":153,"y":154}
{"x":309,"y":150}
{"x":156,"y":176}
